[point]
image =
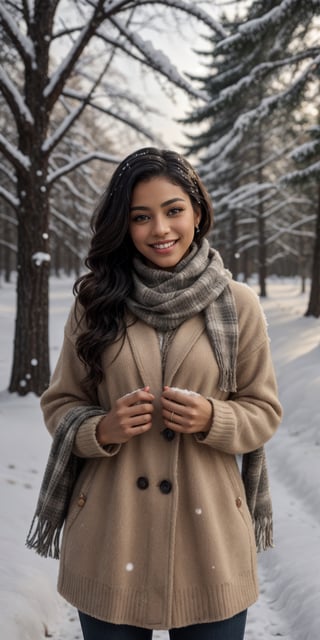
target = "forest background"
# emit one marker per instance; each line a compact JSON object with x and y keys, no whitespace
{"x":235,"y":85}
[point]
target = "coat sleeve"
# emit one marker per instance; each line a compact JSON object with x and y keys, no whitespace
{"x":65,"y":392}
{"x":247,"y":418}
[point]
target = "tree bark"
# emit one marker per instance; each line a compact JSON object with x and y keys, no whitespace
{"x":30,"y":371}
{"x":314,"y":300}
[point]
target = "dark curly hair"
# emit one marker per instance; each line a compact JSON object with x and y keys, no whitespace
{"x":102,"y":292}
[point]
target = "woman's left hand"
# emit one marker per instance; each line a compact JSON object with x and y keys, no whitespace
{"x":186,"y":412}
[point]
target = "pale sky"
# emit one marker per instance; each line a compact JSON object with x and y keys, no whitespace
{"x":178,"y":46}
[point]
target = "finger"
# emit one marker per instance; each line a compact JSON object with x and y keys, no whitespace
{"x":170,"y":394}
{"x":140,"y":409}
{"x":140,"y":420}
{"x":137,"y":429}
{"x":169,"y":407}
{"x":140,"y":396}
{"x":171,"y":404}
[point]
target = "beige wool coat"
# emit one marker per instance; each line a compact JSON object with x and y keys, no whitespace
{"x":158,"y":533}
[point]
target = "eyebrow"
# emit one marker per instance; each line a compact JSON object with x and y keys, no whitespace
{"x":163,"y":204}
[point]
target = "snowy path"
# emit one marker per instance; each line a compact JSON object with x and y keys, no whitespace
{"x":288,"y":606}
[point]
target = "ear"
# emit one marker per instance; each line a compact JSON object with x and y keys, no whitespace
{"x":197,"y":216}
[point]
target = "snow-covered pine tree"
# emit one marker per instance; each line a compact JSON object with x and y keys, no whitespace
{"x":307,"y":157}
{"x":266,"y":62}
{"x":210,"y":125}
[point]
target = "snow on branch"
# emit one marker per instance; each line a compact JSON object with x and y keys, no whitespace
{"x":67,"y":222}
{"x":59,"y":77}
{"x":248,"y":190}
{"x":227,"y":143}
{"x":9,"y":219}
{"x":291,"y":229}
{"x":193,"y":10}
{"x":116,"y":92}
{"x":58,"y":134}
{"x":257,"y":73}
{"x":304,"y":151}
{"x":255,"y":28}
{"x":10,"y":151}
{"x":73,"y":115}
{"x":72,"y":188}
{"x":309,"y":173}
{"x":274,"y":155}
{"x":110,"y":91}
{"x":124,"y":117}
{"x":4,"y":243}
{"x":282,"y":254}
{"x":118,"y":114}
{"x":9,"y":197}
{"x":9,"y":174}
{"x":77,"y":162}
{"x":157,"y":60}
{"x":23,"y":43}
{"x":14,"y":98}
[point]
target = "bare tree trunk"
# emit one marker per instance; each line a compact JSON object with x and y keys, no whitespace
{"x":30,"y":370}
{"x":314,"y":300}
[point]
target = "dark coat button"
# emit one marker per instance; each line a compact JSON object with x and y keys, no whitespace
{"x":142,"y":483}
{"x":238,"y":502}
{"x":168,"y":434}
{"x":165,"y":486}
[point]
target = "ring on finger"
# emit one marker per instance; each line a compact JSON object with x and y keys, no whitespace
{"x":171,"y":417}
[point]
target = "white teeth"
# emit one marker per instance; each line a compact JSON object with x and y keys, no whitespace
{"x":164,"y":245}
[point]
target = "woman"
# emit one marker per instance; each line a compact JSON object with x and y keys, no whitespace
{"x":164,"y":376}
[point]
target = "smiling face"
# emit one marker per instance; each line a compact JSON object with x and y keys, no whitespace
{"x":162,"y":222}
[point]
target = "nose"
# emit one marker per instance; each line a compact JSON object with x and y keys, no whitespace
{"x":160,"y":225}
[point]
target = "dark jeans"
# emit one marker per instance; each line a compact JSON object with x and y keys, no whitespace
{"x":230,"y":629}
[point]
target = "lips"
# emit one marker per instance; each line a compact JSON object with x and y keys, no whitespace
{"x":164,"y":245}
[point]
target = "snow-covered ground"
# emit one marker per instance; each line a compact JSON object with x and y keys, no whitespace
{"x":289,"y":605}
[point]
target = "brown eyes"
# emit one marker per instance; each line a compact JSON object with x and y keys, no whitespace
{"x":144,"y":217}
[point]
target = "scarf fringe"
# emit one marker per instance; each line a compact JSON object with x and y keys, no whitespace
{"x":44,"y":538}
{"x":227,"y":380}
{"x":263,"y":528}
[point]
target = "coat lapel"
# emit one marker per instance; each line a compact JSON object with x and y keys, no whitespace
{"x":144,"y":344}
{"x":186,"y":336}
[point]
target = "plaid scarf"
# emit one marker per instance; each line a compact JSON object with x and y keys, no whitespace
{"x":61,"y":472}
{"x":199,"y":282}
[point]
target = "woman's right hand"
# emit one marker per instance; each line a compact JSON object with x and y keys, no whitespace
{"x":131,"y":416}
